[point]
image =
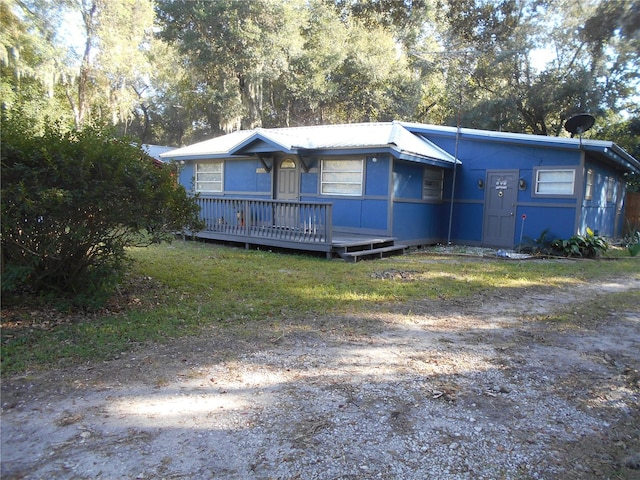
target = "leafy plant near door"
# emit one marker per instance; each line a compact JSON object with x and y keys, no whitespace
{"x":633,"y":244}
{"x":536,"y":246}
{"x":588,"y":246}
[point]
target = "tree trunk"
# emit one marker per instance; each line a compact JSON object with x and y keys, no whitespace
{"x":251,"y":94}
{"x":89,"y":9}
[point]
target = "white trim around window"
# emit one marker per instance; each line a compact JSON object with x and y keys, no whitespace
{"x":341,"y":177}
{"x":611,"y":188}
{"x":588,"y":188}
{"x":208,"y":176}
{"x":555,"y":182}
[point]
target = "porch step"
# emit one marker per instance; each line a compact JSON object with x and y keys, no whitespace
{"x":379,"y":252}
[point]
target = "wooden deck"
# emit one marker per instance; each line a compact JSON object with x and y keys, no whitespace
{"x":356,"y":247}
{"x":302,"y":226}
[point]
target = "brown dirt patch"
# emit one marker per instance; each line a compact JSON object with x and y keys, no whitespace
{"x":483,"y":388}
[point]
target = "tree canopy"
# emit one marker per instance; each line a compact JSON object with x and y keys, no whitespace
{"x":176,"y":71}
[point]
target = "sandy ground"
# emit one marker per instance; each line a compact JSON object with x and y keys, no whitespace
{"x":487,"y":388}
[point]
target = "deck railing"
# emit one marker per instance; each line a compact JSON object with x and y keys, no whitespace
{"x":303,"y":222}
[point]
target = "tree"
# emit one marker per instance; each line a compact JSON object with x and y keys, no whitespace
{"x":114,"y":62}
{"x":269,"y":63}
{"x":166,"y":110}
{"x":592,"y":65}
{"x":374,"y":82}
{"x":233,"y":49}
{"x":32,"y":66}
{"x":73,"y":201}
{"x":406,"y":19}
{"x":626,"y":132}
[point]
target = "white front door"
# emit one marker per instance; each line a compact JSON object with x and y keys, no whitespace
{"x":287,"y":179}
{"x":287,"y":188}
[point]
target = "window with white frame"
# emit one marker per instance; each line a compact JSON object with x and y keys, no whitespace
{"x":432,"y":181}
{"x":555,"y":181}
{"x":208,"y":177}
{"x":341,"y":177}
{"x":611,"y":188}
{"x":588,"y":188}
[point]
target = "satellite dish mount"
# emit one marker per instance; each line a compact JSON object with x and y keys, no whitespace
{"x":578,"y":124}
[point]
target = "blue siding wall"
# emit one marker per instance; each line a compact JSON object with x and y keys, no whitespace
{"x":367,"y":212}
{"x":185,"y":177}
{"x":558,"y":219}
{"x":557,"y":213}
{"x":377,"y":176}
{"x":598,"y":213}
{"x":241,"y":176}
{"x":414,"y":219}
{"x":263,"y":182}
{"x":310,"y":181}
{"x":467,"y":222}
{"x":407,"y":180}
{"x":374,"y":215}
{"x":419,"y":222}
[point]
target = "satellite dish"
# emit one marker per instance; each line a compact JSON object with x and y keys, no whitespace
{"x":578,"y":124}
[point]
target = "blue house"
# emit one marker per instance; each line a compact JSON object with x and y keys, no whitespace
{"x":369,"y":189}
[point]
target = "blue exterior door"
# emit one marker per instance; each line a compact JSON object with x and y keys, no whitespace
{"x":500,"y":208}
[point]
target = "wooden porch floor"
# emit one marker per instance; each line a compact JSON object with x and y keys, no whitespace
{"x":355,"y":247}
{"x":350,"y":247}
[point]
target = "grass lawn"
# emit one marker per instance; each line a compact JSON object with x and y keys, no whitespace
{"x":178,"y":289}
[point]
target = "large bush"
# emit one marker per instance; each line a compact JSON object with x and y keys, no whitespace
{"x":73,"y":201}
{"x":589,"y":245}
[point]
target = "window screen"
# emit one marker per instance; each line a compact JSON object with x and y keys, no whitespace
{"x":555,"y":182}
{"x":342,"y":177}
{"x":208,"y":177}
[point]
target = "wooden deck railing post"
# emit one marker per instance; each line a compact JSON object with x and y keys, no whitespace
{"x":249,"y":220}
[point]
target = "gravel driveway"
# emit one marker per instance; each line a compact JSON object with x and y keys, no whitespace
{"x":487,"y":388}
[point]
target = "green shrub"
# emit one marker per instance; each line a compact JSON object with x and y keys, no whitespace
{"x":589,"y":245}
{"x":72,"y":202}
{"x":633,"y":244}
{"x":536,"y":246}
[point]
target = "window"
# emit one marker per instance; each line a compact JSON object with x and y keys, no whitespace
{"x":611,"y":187}
{"x":341,"y":177}
{"x":288,"y":163}
{"x":432,"y":184}
{"x":555,"y":182}
{"x":209,"y":177}
{"x":588,"y":189}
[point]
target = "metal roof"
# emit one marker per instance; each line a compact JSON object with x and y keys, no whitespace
{"x":602,"y":149}
{"x":154,"y":151}
{"x":218,"y":146}
{"x":404,"y":140}
{"x":389,"y":135}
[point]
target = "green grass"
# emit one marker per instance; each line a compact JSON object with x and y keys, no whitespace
{"x":199,"y":285}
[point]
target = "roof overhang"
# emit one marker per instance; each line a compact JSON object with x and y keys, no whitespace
{"x":391,"y":150}
{"x":334,"y":140}
{"x":615,"y":155}
{"x":603,"y":150}
{"x":412,"y":142}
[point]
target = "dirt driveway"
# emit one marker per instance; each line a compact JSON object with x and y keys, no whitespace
{"x":482,"y":389}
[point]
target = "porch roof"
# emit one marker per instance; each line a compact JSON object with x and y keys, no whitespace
{"x":389,"y":137}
